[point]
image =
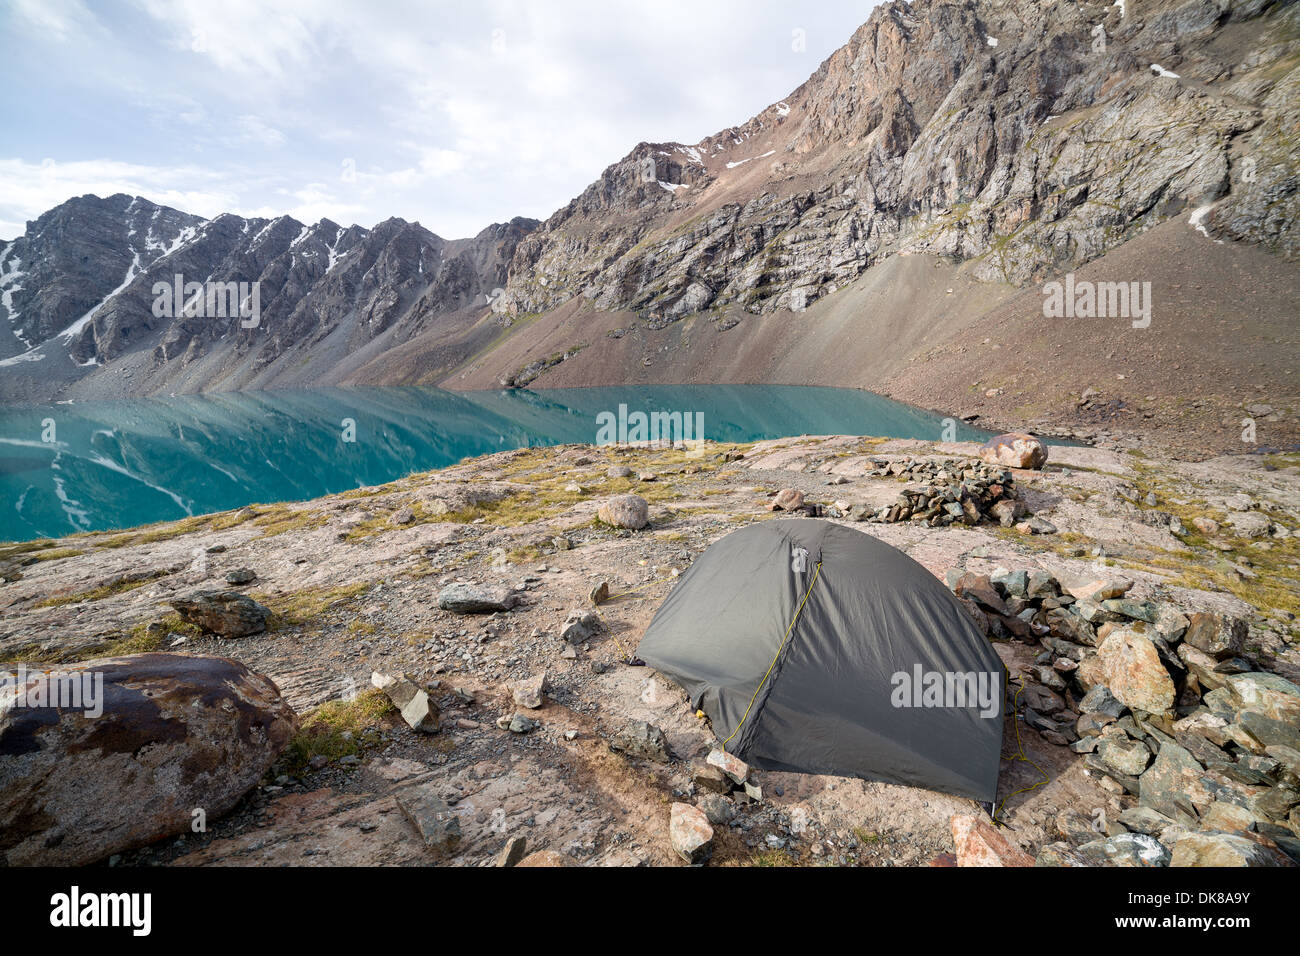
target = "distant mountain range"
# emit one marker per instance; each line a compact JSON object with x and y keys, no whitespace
{"x":942,"y":165}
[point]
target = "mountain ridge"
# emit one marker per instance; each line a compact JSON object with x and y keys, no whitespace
{"x":1006,"y":142}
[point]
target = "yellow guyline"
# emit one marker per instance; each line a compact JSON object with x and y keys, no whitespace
{"x":780,"y":647}
{"x":1021,"y":756}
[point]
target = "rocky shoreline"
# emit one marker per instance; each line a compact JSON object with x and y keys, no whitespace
{"x":453,"y":657}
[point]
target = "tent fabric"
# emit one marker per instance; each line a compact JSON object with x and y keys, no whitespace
{"x":874,"y":676}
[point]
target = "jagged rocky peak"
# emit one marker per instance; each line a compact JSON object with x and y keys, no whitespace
{"x":72,"y":257}
{"x":80,"y":290}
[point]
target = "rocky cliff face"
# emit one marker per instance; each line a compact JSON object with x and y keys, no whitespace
{"x":1027,"y":137}
{"x":89,"y":286}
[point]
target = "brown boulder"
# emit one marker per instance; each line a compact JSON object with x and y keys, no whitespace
{"x":176,"y":735}
{"x":690,"y":833}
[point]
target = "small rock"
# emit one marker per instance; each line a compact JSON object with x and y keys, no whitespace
{"x":1095,"y":592}
{"x":437,"y":825}
{"x":420,"y":713}
{"x":1219,"y":635}
{"x":529,"y":692}
{"x":706,"y":776}
{"x":717,"y":809}
{"x":513,"y":852}
{"x":1125,"y":755}
{"x":581,"y":626}
{"x":690,"y":833}
{"x":1224,"y":849}
{"x":730,"y":764}
{"x":979,"y":844}
{"x":1036,"y":526}
{"x":226,"y":613}
{"x":1126,"y":849}
{"x":519,"y":724}
{"x":640,"y":739}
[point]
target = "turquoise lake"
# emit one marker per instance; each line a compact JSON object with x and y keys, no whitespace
{"x":92,"y":466}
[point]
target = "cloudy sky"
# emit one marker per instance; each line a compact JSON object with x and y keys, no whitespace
{"x":454,"y":114}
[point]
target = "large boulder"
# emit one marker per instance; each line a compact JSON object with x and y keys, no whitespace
{"x":1125,"y":849}
{"x":168,"y":736}
{"x":625,"y":511}
{"x":1174,"y":786}
{"x":1132,"y":669}
{"x":1219,"y":635}
{"x":225,"y":613}
{"x":1225,"y":849}
{"x":1015,"y":450}
{"x":1268,"y":694}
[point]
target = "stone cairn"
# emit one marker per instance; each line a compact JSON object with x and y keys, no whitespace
{"x":947,"y":492}
{"x":1166,"y":707}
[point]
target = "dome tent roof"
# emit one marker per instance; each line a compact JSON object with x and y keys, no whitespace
{"x":816,"y":648}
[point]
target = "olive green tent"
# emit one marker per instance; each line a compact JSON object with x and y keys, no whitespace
{"x":816,"y":648}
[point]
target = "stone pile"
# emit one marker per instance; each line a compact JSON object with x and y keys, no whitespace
{"x":1167,"y":708}
{"x":947,"y":492}
{"x":724,"y":775}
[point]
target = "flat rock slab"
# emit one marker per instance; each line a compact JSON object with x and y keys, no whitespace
{"x":472,"y":599}
{"x":321,"y":828}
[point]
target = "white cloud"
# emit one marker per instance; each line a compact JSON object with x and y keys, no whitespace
{"x":28,"y":189}
{"x":253,"y":130}
{"x":56,"y":19}
{"x":452,"y":114}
